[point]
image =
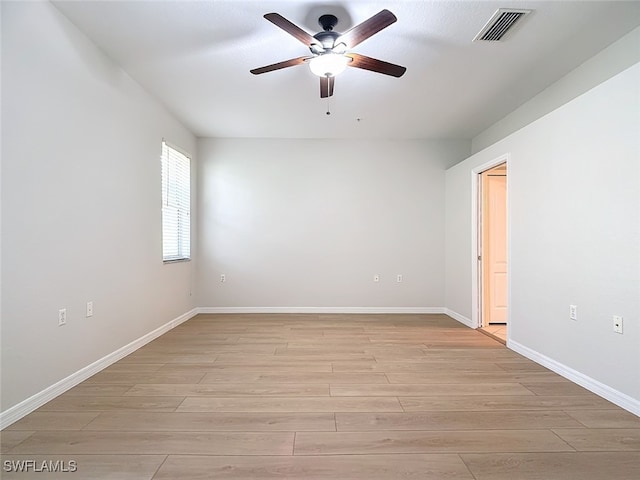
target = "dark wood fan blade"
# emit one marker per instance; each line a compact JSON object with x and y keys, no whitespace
{"x":292,"y":29}
{"x":361,"y":32}
{"x":326,"y":86}
{"x":277,"y":66}
{"x":375,"y":65}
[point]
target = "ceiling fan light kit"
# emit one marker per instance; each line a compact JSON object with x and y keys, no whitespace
{"x":328,"y":64}
{"x":330,"y":50}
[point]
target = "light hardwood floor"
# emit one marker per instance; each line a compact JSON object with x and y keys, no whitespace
{"x":335,"y":397}
{"x":498,"y":332}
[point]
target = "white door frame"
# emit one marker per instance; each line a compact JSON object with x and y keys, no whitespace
{"x":475,"y":210}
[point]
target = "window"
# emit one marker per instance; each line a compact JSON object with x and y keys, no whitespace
{"x":176,"y":205}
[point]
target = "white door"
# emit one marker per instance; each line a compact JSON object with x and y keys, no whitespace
{"x":494,"y":245}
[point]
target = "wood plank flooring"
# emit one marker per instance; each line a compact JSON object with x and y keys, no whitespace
{"x":315,"y":397}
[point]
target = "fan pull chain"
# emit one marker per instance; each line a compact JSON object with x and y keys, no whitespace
{"x":328,"y":105}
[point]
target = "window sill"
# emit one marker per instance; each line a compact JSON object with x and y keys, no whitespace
{"x":177,"y":260}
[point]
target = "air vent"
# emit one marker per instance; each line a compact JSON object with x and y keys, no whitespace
{"x":499,"y":24}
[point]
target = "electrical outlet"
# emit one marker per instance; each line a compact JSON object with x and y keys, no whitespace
{"x":399,"y":278}
{"x":376,"y":278}
{"x":573,"y":312}
{"x":617,"y":324}
{"x":223,"y":278}
{"x":62,"y":317}
{"x":89,"y":309}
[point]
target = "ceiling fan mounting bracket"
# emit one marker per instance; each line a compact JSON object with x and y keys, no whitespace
{"x":328,"y":22}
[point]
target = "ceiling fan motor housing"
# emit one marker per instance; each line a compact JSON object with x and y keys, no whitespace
{"x":327,"y":39}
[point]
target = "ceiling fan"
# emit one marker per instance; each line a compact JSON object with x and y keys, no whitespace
{"x":330,"y":53}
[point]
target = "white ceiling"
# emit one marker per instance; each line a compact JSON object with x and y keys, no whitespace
{"x":195,"y":58}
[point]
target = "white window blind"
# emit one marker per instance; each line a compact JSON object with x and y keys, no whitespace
{"x":176,"y":205}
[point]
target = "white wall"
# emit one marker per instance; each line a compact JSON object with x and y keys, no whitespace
{"x":574,"y":213}
{"x":81,"y":215}
{"x":307,"y":223}
{"x":612,"y":60}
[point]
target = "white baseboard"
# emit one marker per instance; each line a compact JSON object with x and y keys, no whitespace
{"x":366,"y":310}
{"x":614,"y":396}
{"x":461,"y":318}
{"x":27,"y":406}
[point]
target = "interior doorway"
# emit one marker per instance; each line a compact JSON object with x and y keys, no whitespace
{"x":492,"y":252}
